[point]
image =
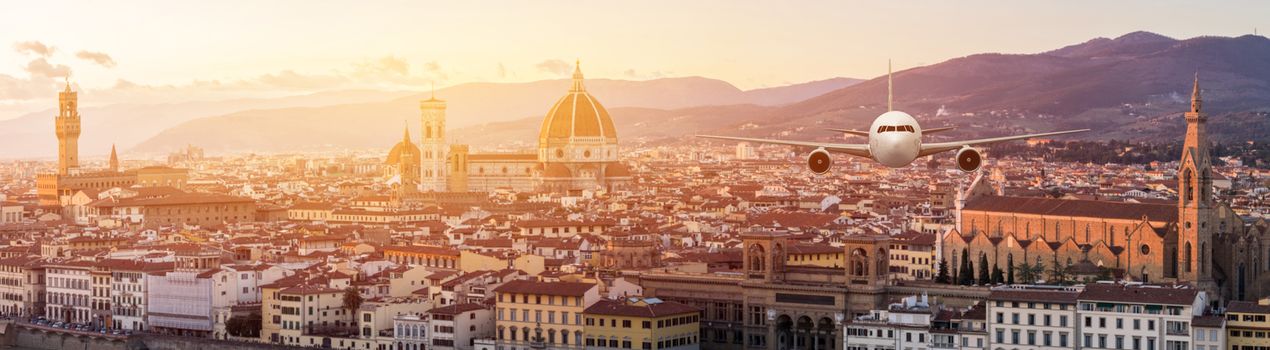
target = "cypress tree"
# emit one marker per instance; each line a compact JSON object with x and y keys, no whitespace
{"x":984,"y":277}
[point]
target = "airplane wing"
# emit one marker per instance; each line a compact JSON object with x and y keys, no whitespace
{"x":858,"y":150}
{"x":935,"y":130}
{"x":849,"y":131}
{"x":932,"y":148}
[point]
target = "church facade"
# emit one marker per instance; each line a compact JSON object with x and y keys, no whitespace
{"x":1197,"y":240}
{"x":577,"y":150}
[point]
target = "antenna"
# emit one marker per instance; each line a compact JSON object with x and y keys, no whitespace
{"x":889,"y":98}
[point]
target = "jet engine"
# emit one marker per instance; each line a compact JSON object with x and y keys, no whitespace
{"x":819,"y":161}
{"x":969,"y":159}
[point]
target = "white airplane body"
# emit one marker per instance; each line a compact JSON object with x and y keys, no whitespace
{"x":895,"y":140}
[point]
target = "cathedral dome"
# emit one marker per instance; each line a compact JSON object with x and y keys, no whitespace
{"x":577,"y":115}
{"x":405,"y":148}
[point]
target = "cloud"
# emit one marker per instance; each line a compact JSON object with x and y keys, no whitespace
{"x":557,"y":67}
{"x":385,"y":66}
{"x":292,"y":80}
{"x":34,"y":47}
{"x":632,"y":73}
{"x":100,"y":58}
{"x":40,"y":67}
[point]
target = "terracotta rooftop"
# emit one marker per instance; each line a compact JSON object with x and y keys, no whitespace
{"x":570,"y":289}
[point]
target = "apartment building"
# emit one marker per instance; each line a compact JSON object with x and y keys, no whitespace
{"x":642,"y":323}
{"x":542,"y":315}
{"x":1139,"y":317}
{"x":1032,"y":318}
{"x":1248,"y":325}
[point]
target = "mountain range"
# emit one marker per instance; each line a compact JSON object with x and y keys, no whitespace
{"x":378,"y":124}
{"x":1130,"y":87}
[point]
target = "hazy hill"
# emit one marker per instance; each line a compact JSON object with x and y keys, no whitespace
{"x":1118,"y":86}
{"x":32,"y":135}
{"x":379,"y":124}
{"x":1130,"y":87}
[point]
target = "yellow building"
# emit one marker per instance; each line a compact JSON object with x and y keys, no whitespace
{"x":642,"y":323}
{"x":1248,"y":325}
{"x":470,"y":261}
{"x":429,"y":256}
{"x":822,"y":255}
{"x":542,"y":315}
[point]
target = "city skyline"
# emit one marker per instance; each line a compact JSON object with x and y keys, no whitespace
{"x":614,"y":176}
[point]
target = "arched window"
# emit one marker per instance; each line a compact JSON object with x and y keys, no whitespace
{"x":1186,"y":257}
{"x":1203,"y":253}
{"x":1189,"y":193}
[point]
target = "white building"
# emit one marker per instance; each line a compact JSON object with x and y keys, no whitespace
{"x":69,"y":289}
{"x":1032,"y":318}
{"x":181,"y":301}
{"x":410,"y":332}
{"x":1145,"y":317}
{"x":457,"y":326}
{"x":129,"y":291}
{"x":904,"y":325}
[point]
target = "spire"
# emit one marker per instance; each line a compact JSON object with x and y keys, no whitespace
{"x":114,"y":158}
{"x":577,"y":77}
{"x":406,"y":135}
{"x":889,"y":104}
{"x":434,"y":91}
{"x":1196,"y":101}
{"x":68,"y":82}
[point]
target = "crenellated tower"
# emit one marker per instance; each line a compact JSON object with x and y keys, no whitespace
{"x":67,"y":124}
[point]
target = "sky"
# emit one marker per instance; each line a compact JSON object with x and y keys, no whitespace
{"x":156,"y":51}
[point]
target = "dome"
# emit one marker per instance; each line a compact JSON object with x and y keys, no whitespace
{"x":576,"y":115}
{"x":403,"y":148}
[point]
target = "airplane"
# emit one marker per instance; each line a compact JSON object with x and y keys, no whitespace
{"x":895,"y":140}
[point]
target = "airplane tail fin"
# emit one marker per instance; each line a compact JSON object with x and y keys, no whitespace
{"x":889,"y":104}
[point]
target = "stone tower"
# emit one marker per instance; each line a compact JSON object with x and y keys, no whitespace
{"x":457,"y":181}
{"x":432,"y":146}
{"x":67,"y":123}
{"x":764,"y":255}
{"x":114,"y":159}
{"x":868,"y":260}
{"x":1195,"y":199}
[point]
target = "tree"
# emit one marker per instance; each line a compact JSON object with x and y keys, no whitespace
{"x":942,"y":276}
{"x":352,"y":299}
{"x":1026,"y":274}
{"x":998,"y":276}
{"x":1009,"y":267}
{"x":244,"y":326}
{"x":1038,"y":270}
{"x":1058,"y":274}
{"x":966,"y":273}
{"x":984,"y":277}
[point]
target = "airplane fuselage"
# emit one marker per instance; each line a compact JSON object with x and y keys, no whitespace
{"x":895,"y":139}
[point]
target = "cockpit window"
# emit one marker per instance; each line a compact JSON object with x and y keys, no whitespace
{"x":890,"y":128}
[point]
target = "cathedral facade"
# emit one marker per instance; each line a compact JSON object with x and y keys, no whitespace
{"x":1197,"y":240}
{"x":577,"y":150}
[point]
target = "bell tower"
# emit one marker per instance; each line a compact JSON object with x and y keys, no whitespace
{"x":67,"y":124}
{"x":1195,"y":199}
{"x":432,"y":148}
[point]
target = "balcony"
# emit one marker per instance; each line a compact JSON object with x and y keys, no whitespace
{"x":1177,"y":331}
